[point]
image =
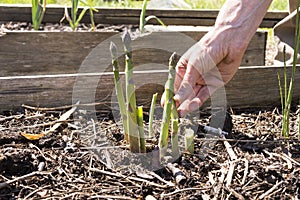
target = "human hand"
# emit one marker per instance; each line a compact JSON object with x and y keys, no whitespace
{"x":207,"y":66}
{"x":214,"y":60}
{"x":204,"y":68}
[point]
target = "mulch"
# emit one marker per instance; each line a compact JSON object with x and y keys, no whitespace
{"x":87,"y":158}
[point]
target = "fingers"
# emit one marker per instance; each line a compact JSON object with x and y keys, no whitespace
{"x":213,"y":80}
{"x":195,"y":103}
{"x":187,"y":84}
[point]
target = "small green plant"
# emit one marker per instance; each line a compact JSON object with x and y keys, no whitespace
{"x":130,"y":96}
{"x":151,"y":115}
{"x":169,"y":111}
{"x":144,"y":19}
{"x":189,"y":140}
{"x":140,"y":121}
{"x":92,"y":9}
{"x":118,"y":88}
{"x":286,"y":92}
{"x":37,"y":12}
{"x":132,"y":116}
{"x":74,"y":20}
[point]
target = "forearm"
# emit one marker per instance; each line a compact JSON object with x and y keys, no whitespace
{"x":235,"y":25}
{"x":242,"y":15}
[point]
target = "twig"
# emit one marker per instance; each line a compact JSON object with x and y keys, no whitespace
{"x":118,"y":175}
{"x":247,"y":141}
{"x":35,"y":191}
{"x":292,"y":160}
{"x":237,"y":195}
{"x":109,"y":163}
{"x":64,"y":117}
{"x":245,"y":171}
{"x":44,"y":124}
{"x":11,"y":117}
{"x":230,"y":151}
{"x":33,"y":146}
{"x":217,"y":189}
{"x":183,"y":190}
{"x":162,"y":180}
{"x":230,"y":174}
{"x":7,"y":183}
{"x":94,"y":130}
{"x":286,"y":158}
{"x":110,"y":197}
{"x":262,"y":196}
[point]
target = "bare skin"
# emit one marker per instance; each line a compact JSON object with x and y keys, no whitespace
{"x":213,"y":61}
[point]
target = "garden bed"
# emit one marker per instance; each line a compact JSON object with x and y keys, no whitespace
{"x":45,"y":73}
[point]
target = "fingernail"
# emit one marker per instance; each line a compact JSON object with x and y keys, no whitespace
{"x":176,"y":97}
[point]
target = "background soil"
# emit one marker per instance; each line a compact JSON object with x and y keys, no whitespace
{"x":64,"y":165}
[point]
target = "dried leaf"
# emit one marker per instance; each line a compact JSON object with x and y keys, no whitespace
{"x":30,"y":136}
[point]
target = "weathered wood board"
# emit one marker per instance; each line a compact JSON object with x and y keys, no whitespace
{"x":36,"y":53}
{"x":131,"y":16}
{"x":250,"y":87}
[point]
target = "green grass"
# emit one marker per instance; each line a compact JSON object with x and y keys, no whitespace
{"x":196,"y":4}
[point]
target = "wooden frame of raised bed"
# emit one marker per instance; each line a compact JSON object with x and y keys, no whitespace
{"x":42,"y":68}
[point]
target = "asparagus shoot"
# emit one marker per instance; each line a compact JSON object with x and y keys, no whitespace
{"x":151,"y":115}
{"x":134,"y":141}
{"x":119,"y":89}
{"x":163,"y":139}
{"x":141,"y":129}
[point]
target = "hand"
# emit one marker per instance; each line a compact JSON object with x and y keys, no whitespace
{"x":214,"y":60}
{"x":204,"y":68}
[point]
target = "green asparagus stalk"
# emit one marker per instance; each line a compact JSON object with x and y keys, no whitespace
{"x":140,"y":121}
{"x":163,"y":139}
{"x":174,"y":138}
{"x":119,"y":89}
{"x":189,"y":141}
{"x":175,"y":127}
{"x":134,"y":141}
{"x":151,"y":115}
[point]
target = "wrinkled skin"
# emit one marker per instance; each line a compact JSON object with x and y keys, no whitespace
{"x":213,"y":61}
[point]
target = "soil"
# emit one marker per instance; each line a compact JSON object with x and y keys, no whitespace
{"x":254,"y":162}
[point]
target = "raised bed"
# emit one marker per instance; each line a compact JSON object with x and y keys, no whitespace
{"x":40,"y":68}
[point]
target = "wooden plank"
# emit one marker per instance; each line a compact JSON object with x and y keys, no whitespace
{"x":35,"y":53}
{"x":130,"y":16}
{"x":250,"y":87}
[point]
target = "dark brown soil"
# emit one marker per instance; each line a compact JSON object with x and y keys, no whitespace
{"x":66,"y":164}
{"x":62,"y":27}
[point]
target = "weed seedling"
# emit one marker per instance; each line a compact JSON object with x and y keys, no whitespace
{"x":37,"y":12}
{"x":144,"y":19}
{"x":74,"y":20}
{"x":286,"y":93}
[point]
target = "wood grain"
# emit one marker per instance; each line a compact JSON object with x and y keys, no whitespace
{"x":250,"y":87}
{"x":36,"y":53}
